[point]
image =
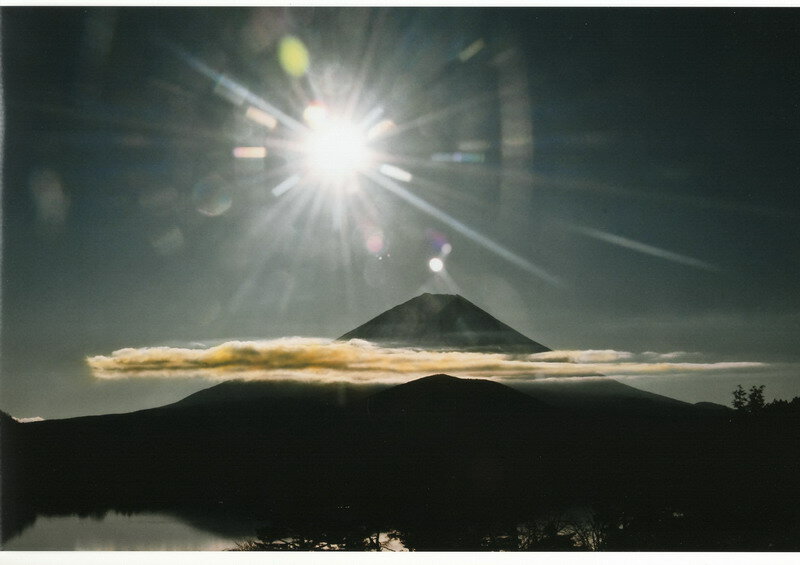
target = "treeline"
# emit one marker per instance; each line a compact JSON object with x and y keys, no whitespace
{"x":752,"y":402}
{"x":601,"y":528}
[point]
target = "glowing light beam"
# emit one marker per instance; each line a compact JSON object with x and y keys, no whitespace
{"x":286,"y":185}
{"x":644,"y":248}
{"x":396,"y":173}
{"x":463,"y":229}
{"x":235,"y":92}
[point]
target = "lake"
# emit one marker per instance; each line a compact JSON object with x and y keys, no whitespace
{"x":124,"y":532}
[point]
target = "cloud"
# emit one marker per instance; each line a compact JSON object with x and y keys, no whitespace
{"x":668,"y":356}
{"x":312,"y":359}
{"x":578,"y":356}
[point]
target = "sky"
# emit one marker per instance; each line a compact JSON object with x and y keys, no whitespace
{"x":619,"y":180}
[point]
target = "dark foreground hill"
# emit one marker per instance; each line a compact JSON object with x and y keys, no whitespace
{"x":601,"y":395}
{"x":445,"y":461}
{"x":336,"y":394}
{"x":443,"y":394}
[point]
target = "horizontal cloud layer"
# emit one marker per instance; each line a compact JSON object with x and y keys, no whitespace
{"x":362,"y":361}
{"x":27,"y":420}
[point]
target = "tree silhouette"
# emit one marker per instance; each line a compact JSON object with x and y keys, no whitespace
{"x":749,"y":402}
{"x":739,"y":398}
{"x":755,"y":399}
{"x":312,"y":536}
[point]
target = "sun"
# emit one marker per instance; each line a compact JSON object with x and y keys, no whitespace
{"x":335,"y":149}
{"x":344,"y":152}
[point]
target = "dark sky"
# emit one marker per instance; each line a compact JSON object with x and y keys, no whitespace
{"x":634,"y":185}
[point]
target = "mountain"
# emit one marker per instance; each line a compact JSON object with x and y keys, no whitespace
{"x":601,"y":394}
{"x":437,"y":321}
{"x":443,"y":320}
{"x":338,"y":394}
{"x":253,"y":447}
{"x":415,"y":457}
{"x":712,"y":406}
{"x":409,"y":458}
{"x":451,"y":395}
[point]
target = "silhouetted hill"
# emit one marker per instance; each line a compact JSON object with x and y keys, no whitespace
{"x":237,"y":391}
{"x":712,"y":406}
{"x":451,"y":450}
{"x":599,"y":394}
{"x":443,"y":320}
{"x":451,"y":395}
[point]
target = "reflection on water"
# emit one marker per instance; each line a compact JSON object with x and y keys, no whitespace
{"x":115,"y":531}
{"x":153,"y":531}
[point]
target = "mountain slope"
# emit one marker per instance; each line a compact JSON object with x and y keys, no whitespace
{"x":238,"y":391}
{"x":451,"y":395}
{"x":443,"y":320}
{"x":438,"y":446}
{"x":599,"y":394}
{"x":439,"y":321}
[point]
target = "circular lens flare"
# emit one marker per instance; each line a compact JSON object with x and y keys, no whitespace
{"x":293,"y":56}
{"x":436,"y":264}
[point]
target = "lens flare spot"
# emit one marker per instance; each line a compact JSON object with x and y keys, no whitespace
{"x":380,"y":129}
{"x":315,"y":114}
{"x":438,"y":241}
{"x":168,"y":242}
{"x":293,"y":56}
{"x":473,"y":49}
{"x":249,"y":152}
{"x":51,"y":200}
{"x":375,"y":242}
{"x":261,"y":117}
{"x":211,"y":196}
{"x":458,"y":157}
{"x":436,"y":265}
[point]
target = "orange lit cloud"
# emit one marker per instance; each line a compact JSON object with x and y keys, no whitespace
{"x":362,"y":361}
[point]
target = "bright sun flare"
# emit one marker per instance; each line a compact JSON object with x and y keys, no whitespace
{"x":336,"y":149}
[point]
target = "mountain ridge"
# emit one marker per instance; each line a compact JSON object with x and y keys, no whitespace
{"x":443,"y":320}
{"x":438,"y":321}
{"x":448,"y":394}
